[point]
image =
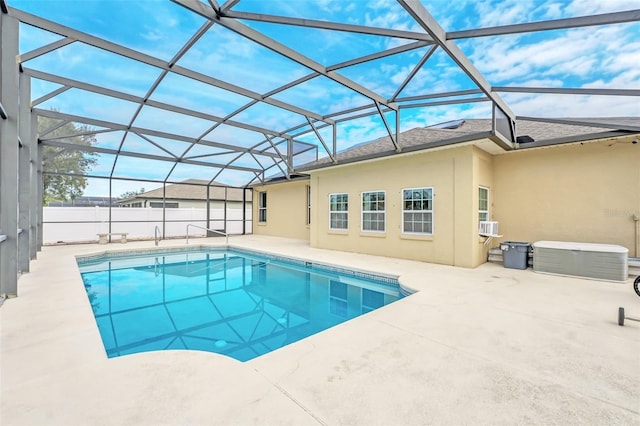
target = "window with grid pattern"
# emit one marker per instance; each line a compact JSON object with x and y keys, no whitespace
{"x":417,"y":211}
{"x":483,"y":203}
{"x":373,"y":211}
{"x":338,"y":211}
{"x":262,"y":206}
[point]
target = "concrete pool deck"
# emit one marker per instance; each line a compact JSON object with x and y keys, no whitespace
{"x":473,"y":346}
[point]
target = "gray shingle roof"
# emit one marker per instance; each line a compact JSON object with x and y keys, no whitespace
{"x":193,"y":189}
{"x":543,"y":133}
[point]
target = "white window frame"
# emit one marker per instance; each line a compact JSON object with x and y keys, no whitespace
{"x":262,"y":208}
{"x":483,"y":215}
{"x":363,"y":212}
{"x":430,"y":188}
{"x":331,"y":212}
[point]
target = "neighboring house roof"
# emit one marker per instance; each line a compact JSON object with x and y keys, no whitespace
{"x":543,"y":133}
{"x":191,"y":189}
{"x":85,"y":201}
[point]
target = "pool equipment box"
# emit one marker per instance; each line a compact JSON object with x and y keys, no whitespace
{"x":596,"y":261}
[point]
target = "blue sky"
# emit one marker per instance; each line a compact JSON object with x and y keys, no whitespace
{"x":592,"y":57}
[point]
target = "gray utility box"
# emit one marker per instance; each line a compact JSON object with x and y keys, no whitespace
{"x":596,"y":261}
{"x":515,"y":254}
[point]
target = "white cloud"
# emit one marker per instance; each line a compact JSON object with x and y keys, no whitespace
{"x":575,"y":55}
{"x":586,"y":7}
{"x":573,"y":106}
{"x":503,"y":13}
{"x":152,"y":35}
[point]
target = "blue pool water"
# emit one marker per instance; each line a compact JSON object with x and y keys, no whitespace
{"x":235,"y":303}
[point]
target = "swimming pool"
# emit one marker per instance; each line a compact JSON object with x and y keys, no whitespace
{"x":238,"y":303}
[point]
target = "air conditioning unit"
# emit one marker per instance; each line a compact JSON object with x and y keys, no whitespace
{"x":488,"y":229}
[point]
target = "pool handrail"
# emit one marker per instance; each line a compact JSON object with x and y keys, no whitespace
{"x":156,"y":232}
{"x":208,"y":229}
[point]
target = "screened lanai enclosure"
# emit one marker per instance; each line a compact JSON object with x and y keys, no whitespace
{"x":101,"y":99}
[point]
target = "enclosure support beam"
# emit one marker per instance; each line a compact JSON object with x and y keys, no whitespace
{"x":225,"y":209}
{"x":289,"y":157}
{"x":40,"y":184}
{"x":271,"y":44}
{"x":150,"y":60}
{"x":334,"y":134}
{"x":36,"y":203}
{"x":208,"y":211}
{"x":244,"y":211}
{"x":334,"y":26}
{"x":331,"y":153}
{"x":556,"y":24}
{"x":426,"y":21}
{"x":24,"y":173}
{"x":110,"y":198}
{"x":392,"y":135}
{"x":9,"y":157}
{"x":138,"y":130}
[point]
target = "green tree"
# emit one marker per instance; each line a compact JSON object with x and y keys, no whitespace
{"x":130,"y":194}
{"x":72,"y":164}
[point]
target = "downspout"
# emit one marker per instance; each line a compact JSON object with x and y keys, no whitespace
{"x":636,"y":219}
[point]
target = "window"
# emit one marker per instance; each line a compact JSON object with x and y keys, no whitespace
{"x":158,"y":205}
{"x":417,"y":211}
{"x":262,"y":206}
{"x":373,"y":211}
{"x":308,"y":204}
{"x":483,"y":203}
{"x":338,"y":211}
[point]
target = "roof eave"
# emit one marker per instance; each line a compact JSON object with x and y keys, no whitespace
{"x":405,"y":150}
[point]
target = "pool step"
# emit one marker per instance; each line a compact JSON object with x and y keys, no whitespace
{"x":495,"y":256}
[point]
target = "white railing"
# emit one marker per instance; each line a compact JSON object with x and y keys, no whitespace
{"x":207,"y":229}
{"x":156,"y":232}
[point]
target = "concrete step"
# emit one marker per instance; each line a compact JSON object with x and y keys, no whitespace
{"x":495,"y":256}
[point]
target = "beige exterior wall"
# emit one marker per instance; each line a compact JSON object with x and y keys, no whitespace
{"x":450,"y":172}
{"x":580,"y":192}
{"x":482,"y":177}
{"x":286,"y":210}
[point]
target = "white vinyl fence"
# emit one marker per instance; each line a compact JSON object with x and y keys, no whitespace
{"x":83,"y":224}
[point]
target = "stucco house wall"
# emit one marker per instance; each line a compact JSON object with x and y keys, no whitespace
{"x":286,"y":210}
{"x":452,"y":173}
{"x":483,"y":176}
{"x":583,"y":192}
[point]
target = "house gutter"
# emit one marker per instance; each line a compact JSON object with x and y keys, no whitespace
{"x":405,"y":150}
